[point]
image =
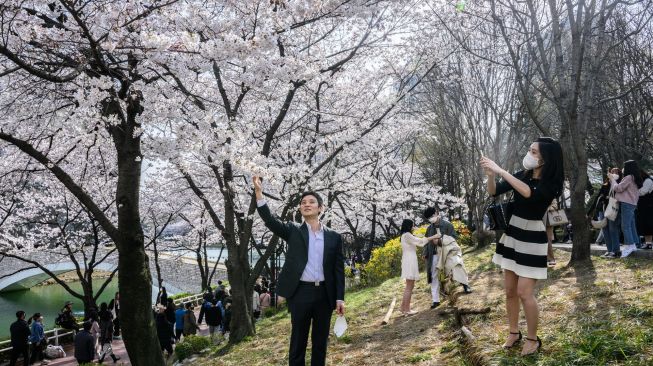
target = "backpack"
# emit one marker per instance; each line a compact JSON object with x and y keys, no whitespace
{"x":59,"y":319}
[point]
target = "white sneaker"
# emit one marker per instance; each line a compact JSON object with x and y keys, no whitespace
{"x":629,"y":249}
{"x":607,"y":254}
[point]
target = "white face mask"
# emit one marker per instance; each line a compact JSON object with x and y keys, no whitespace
{"x":433,"y":219}
{"x":530,"y":162}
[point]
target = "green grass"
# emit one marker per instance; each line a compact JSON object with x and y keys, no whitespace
{"x":598,"y":313}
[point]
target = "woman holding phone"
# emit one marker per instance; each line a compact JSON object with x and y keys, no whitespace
{"x":522,"y":250}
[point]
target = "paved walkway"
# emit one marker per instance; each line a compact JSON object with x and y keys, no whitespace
{"x":118,"y":349}
{"x":597,"y":249}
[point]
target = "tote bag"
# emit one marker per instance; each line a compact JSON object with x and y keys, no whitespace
{"x":612,"y":209}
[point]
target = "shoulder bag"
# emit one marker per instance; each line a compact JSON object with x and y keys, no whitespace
{"x":556,"y":216}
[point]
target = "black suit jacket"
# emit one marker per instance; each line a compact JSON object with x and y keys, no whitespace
{"x":297,"y":256}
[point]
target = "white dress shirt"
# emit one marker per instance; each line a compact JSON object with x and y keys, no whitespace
{"x":314,"y":270}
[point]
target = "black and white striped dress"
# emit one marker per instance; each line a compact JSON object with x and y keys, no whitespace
{"x":522,"y":248}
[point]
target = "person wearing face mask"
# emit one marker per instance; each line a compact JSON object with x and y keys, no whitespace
{"x":627,"y":193}
{"x":521,"y":251}
{"x":430,"y":251}
{"x":409,"y":265}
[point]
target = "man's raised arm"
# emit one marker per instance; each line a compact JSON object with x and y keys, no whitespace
{"x":275,"y":225}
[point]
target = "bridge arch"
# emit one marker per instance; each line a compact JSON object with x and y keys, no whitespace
{"x":26,"y":279}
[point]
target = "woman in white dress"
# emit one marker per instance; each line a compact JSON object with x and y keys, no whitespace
{"x":409,"y":266}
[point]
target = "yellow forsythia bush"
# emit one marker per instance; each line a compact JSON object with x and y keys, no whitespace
{"x":385,"y":261}
{"x":464,"y":234}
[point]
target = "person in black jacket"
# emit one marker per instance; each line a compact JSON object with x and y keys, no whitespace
{"x":68,"y":320}
{"x":162,"y":297}
{"x":213,"y":315}
{"x":313,"y":275}
{"x":19,"y":333}
{"x":85,"y":345}
{"x":170,"y":316}
{"x":163,"y":329}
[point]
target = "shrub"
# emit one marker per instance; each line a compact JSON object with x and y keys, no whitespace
{"x":191,"y":345}
{"x":464,"y":234}
{"x":385,"y":261}
{"x":180,"y":295}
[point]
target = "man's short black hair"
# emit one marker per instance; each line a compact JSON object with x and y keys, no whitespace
{"x":87,"y":325}
{"x":20,"y":314}
{"x":429,"y":212}
{"x":314,"y":194}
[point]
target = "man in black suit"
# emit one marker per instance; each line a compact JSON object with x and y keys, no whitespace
{"x":313,"y":275}
{"x":431,"y":252}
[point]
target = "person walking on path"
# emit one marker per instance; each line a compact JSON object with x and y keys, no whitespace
{"x":106,"y":333}
{"x":163,"y":329}
{"x":37,"y":339}
{"x":94,"y":319}
{"x":171,"y":317}
{"x":312,"y":278}
{"x":84,"y":346}
{"x":409,"y":265}
{"x":521,"y":251}
{"x":213,"y":316}
{"x":179,"y":321}
{"x":19,"y":339}
{"x":627,"y":193}
{"x":190,"y":321}
{"x":114,"y":306}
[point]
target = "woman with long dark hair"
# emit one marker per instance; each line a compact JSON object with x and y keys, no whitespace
{"x":409,"y":265}
{"x":627,"y":193}
{"x":522,"y":250}
{"x":645,"y":210}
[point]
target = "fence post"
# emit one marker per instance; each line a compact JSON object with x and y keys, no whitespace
{"x":56,"y":336}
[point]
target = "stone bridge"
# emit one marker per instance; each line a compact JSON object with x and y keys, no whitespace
{"x":179,"y":274}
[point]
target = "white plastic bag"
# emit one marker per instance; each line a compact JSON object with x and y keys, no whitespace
{"x":340,"y":327}
{"x":54,"y":352}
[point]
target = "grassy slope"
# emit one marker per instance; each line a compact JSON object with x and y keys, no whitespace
{"x":594,"y":314}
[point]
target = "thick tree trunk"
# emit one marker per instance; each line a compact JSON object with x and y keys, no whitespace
{"x":242,"y":324}
{"x":134,"y":277}
{"x":574,"y":145}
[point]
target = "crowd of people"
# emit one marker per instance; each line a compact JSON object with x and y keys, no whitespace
{"x":623,"y":210}
{"x":92,"y":340}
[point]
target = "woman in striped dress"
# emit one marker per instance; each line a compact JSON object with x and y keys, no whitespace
{"x":522,"y":250}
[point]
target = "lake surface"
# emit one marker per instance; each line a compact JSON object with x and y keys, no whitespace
{"x":47,"y":300}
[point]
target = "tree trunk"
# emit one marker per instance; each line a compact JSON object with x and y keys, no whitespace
{"x":574,"y":145}
{"x":134,"y":277}
{"x":241,"y":325}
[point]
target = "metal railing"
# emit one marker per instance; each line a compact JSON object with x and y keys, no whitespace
{"x":52,"y":334}
{"x":56,"y":333}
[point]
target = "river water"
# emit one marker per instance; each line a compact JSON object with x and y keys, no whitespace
{"x":48,"y":300}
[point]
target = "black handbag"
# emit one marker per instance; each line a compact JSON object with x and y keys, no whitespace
{"x":499,"y":214}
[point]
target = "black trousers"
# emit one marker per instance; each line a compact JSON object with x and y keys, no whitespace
{"x":17,"y":352}
{"x":309,"y":306}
